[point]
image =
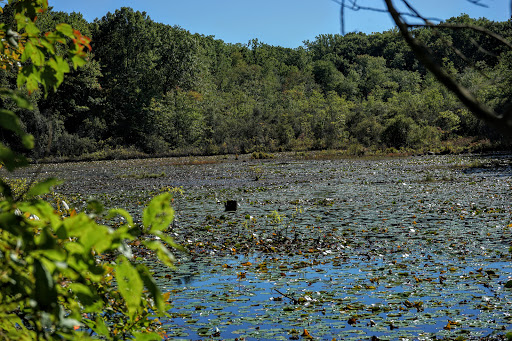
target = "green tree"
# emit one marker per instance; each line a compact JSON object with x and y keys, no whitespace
{"x":177,"y":119}
{"x":397,"y":132}
{"x":69,"y":112}
{"x":326,"y":75}
{"x":125,"y":46}
{"x":178,"y":60}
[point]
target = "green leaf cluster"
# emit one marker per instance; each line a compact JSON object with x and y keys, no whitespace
{"x":64,"y":275}
{"x":56,"y":276}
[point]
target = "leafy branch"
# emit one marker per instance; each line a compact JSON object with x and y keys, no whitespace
{"x":56,"y":280}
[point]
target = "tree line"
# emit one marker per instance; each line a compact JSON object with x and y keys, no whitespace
{"x":160,"y":90}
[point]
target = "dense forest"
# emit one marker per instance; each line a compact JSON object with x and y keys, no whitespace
{"x":160,"y":90}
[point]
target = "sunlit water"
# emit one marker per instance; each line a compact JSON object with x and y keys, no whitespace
{"x":422,"y":251}
{"x":414,"y":248}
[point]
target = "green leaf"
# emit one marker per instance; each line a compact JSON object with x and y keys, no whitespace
{"x":43,"y":187}
{"x":91,"y":235}
{"x":34,"y":53}
{"x":45,"y":293}
{"x":150,"y":284}
{"x":6,"y":190}
{"x":42,"y":209}
{"x":10,"y":222}
{"x":158,"y":215}
{"x":83,"y":293}
{"x":130,"y":286}
{"x":60,"y":66}
{"x":48,"y":45}
{"x":21,"y":101}
{"x":30,"y":76}
{"x":78,"y":61}
{"x":100,"y":327}
{"x":45,"y":241}
{"x":11,"y":160}
{"x":95,"y":206}
{"x":28,"y":141}
{"x":169,"y":240}
{"x":9,"y":121}
{"x":162,"y":252}
{"x":31,"y":29}
{"x":121,"y":212}
{"x":65,"y":29}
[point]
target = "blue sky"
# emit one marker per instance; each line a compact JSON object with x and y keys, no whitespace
{"x":276,"y":22}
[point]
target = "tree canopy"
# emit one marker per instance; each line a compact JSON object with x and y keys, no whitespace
{"x":161,"y":90}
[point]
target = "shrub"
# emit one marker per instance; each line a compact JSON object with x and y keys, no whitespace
{"x":261,"y":155}
{"x":397,"y":131}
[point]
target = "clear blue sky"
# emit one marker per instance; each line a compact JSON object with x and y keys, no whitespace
{"x":276,"y":22}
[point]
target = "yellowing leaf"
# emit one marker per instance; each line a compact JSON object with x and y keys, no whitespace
{"x":306,"y":334}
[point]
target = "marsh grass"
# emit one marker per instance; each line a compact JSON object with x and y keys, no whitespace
{"x":142,"y":175}
{"x":195,"y":162}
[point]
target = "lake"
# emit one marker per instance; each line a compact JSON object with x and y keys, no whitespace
{"x":412,"y":248}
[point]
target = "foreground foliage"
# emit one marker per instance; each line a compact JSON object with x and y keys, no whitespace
{"x":63,"y":274}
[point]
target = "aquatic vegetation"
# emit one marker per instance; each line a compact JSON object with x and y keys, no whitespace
{"x":143,"y":175}
{"x":392,"y":255}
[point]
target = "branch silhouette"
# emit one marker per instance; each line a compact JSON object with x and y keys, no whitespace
{"x":501,"y":121}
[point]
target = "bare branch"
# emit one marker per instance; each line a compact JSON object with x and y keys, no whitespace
{"x":354,"y":6}
{"x":293,"y":299}
{"x":463,"y":56}
{"x":342,"y":14}
{"x":502,"y":123}
{"x":416,"y":13}
{"x":478,"y":3}
{"x":480,"y":48}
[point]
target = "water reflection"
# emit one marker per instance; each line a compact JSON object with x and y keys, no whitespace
{"x":184,"y":279}
{"x":410,"y":251}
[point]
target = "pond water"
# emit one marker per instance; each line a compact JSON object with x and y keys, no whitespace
{"x":414,"y":248}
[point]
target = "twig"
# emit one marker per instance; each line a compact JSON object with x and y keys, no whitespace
{"x":478,"y":3}
{"x":502,"y":123}
{"x":294,"y":300}
{"x":354,"y":6}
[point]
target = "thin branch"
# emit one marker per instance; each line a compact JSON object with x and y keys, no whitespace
{"x":481,"y":49}
{"x":459,"y":52}
{"x":483,"y":112}
{"x":294,"y":300}
{"x":416,"y":13}
{"x":478,"y":3}
{"x":342,"y":15}
{"x":354,"y":6}
{"x":463,"y":56}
